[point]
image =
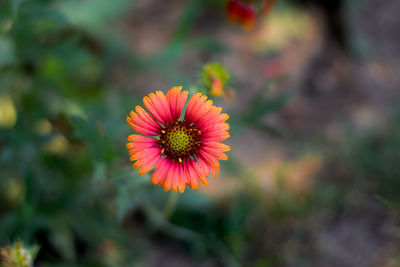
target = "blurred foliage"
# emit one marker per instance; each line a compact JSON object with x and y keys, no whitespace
{"x":373,"y":159}
{"x":54,"y":133}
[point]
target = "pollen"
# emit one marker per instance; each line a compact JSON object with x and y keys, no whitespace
{"x":179,"y":141}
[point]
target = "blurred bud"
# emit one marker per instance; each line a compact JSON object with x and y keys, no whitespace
{"x":217,"y":88}
{"x":18,"y":255}
{"x":215,"y":76}
{"x":242,"y":13}
{"x":57,"y":145}
{"x":8,"y":114}
{"x":43,"y":127}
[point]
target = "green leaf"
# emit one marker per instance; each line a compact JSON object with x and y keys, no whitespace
{"x":125,"y":201}
{"x":92,"y":14}
{"x":269,"y":128}
{"x":15,"y":6}
{"x":262,"y":105}
{"x":62,"y":239}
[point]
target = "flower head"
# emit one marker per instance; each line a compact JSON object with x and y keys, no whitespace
{"x":247,"y":12}
{"x":215,"y":76}
{"x":241,"y":13}
{"x":17,"y":255}
{"x":183,"y":148}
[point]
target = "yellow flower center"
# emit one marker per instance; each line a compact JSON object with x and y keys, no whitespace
{"x":179,"y":141}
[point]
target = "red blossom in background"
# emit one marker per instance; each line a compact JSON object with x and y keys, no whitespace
{"x":241,"y":13}
{"x":245,"y":13}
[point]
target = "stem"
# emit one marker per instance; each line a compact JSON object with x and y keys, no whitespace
{"x":171,"y":204}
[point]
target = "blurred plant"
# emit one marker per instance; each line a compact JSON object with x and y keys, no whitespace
{"x":282,"y":27}
{"x":58,"y":144}
{"x":53,"y":142}
{"x":12,"y":192}
{"x":395,"y":262}
{"x":264,"y":103}
{"x":110,"y":253}
{"x":8,"y":115}
{"x":215,"y":78}
{"x":247,"y":12}
{"x":241,"y":13}
{"x":18,"y":255}
{"x":374,"y":158}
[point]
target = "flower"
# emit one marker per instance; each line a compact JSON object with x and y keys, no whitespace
{"x":183,"y":149}
{"x":215,"y":76}
{"x":241,"y":13}
{"x":247,"y":12}
{"x":18,"y":255}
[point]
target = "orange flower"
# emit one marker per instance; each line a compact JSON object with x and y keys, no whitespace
{"x":182,"y":151}
{"x":217,"y":89}
{"x":215,"y":77}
